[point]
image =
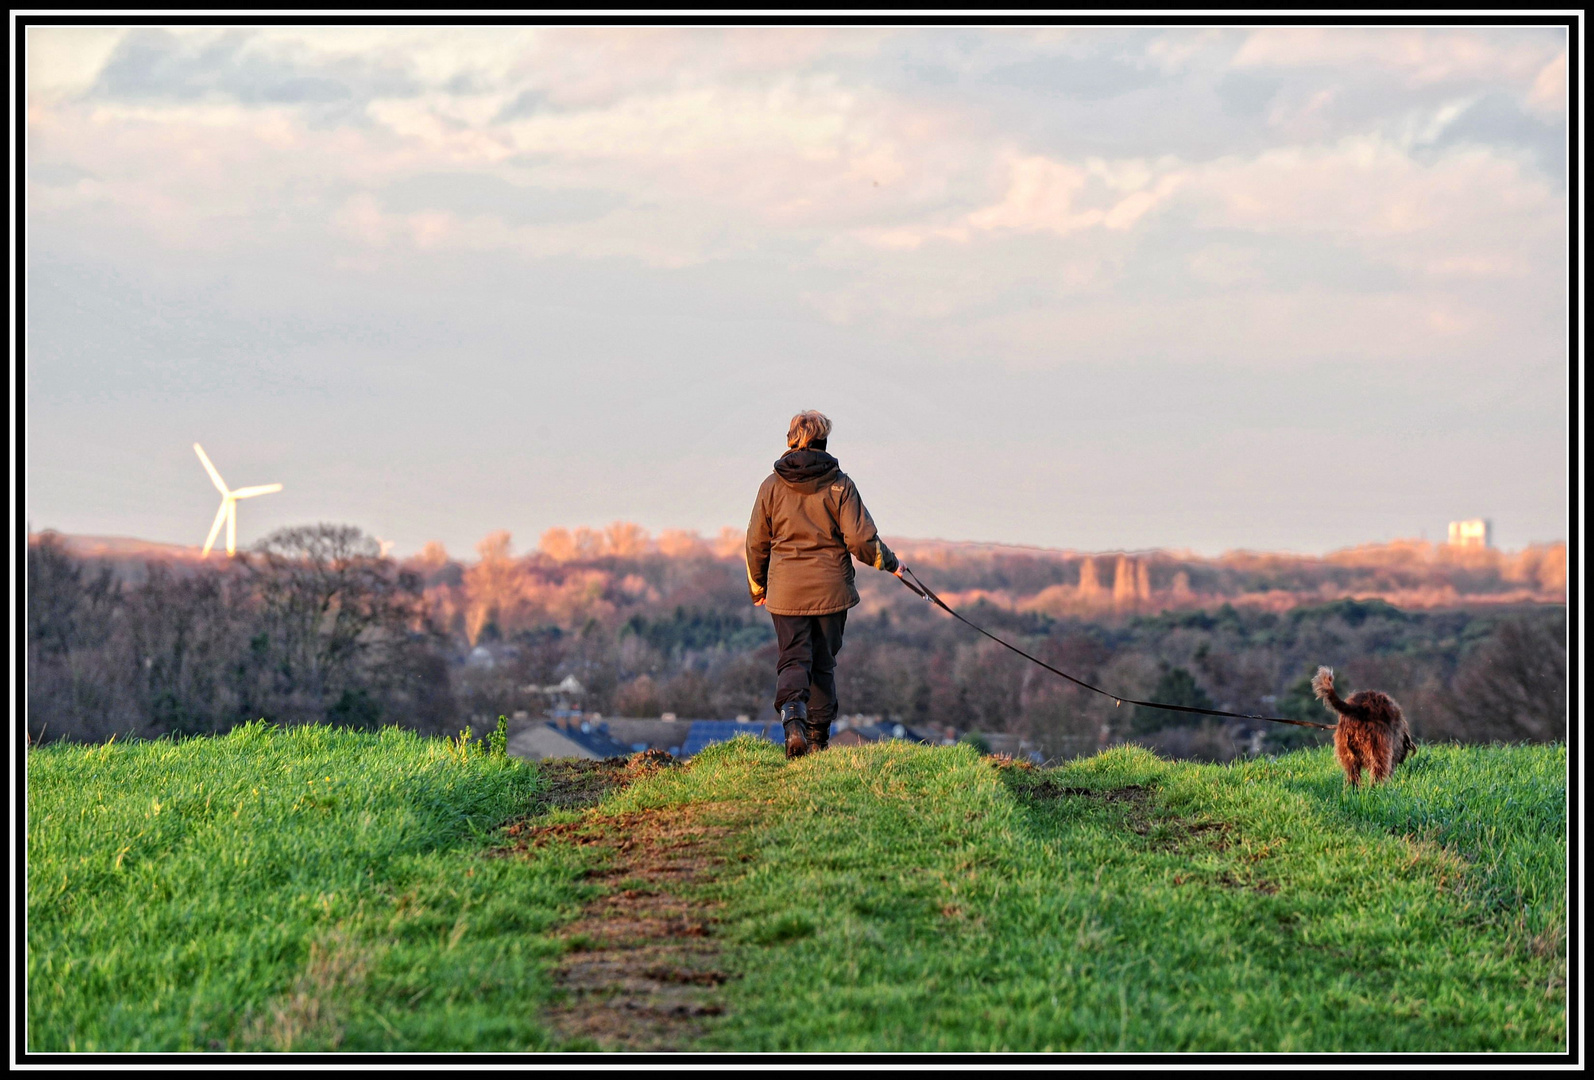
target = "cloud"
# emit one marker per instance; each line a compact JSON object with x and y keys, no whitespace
{"x":610,"y":225}
{"x":64,"y":61}
{"x":1059,"y":197}
{"x":1051,"y":196}
{"x":1549,"y":86}
{"x":1423,"y":57}
{"x":1498,"y":122}
{"x":362,"y":219}
{"x":1467,"y":210}
{"x":476,"y":194}
{"x":1226,"y":265}
{"x":151,"y":64}
{"x":1258,"y":328}
{"x":1370,"y":192}
{"x":1176,"y":51}
{"x":1086,"y":78}
{"x":673,"y":147}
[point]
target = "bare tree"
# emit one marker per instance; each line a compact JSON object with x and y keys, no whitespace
{"x":67,"y":608}
{"x":76,"y":688}
{"x":1511,"y":688}
{"x":187,"y":640}
{"x":340,"y":624}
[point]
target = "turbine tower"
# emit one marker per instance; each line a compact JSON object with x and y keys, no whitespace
{"x":229,"y":504}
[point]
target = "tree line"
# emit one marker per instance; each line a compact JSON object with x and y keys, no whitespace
{"x":312,"y":626}
{"x":315,"y":625}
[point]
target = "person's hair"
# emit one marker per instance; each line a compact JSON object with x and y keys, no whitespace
{"x":808,"y":426}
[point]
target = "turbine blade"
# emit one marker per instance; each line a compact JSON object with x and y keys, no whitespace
{"x":215,"y":477}
{"x":251,"y":492}
{"x":232,"y":528}
{"x":215,"y":527}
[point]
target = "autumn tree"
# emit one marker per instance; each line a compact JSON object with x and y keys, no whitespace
{"x":731,"y":541}
{"x":432,"y":557}
{"x":490,"y":585}
{"x":589,"y":543}
{"x":626,"y":540}
{"x":558,"y":545}
{"x":681,"y":544}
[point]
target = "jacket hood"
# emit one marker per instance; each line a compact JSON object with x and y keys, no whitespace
{"x":807,"y":470}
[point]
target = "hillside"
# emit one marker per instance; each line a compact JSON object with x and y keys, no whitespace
{"x":313,"y":888}
{"x":127,"y":556}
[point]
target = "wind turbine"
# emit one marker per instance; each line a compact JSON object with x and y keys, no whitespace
{"x":229,"y":504}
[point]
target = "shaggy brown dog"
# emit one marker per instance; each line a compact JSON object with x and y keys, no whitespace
{"x":1372,"y":733}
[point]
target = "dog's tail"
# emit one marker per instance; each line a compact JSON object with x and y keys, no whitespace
{"x":1323,"y":687}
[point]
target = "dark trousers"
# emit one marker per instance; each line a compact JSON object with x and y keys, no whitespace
{"x":806,"y":670}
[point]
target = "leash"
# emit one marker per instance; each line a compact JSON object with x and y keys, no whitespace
{"x":928,"y":594}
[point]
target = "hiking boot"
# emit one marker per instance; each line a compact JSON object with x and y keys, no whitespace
{"x":817,"y":733}
{"x":793,"y":717}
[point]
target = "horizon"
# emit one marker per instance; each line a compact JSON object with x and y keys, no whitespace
{"x":905,"y":542}
{"x":1091,"y":288}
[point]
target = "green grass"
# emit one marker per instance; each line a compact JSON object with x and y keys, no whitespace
{"x":897,"y":898}
{"x":906,"y":898}
{"x":306,"y":889}
{"x":1502,"y":807}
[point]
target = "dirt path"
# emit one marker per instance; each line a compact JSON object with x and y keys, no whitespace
{"x":642,"y":971}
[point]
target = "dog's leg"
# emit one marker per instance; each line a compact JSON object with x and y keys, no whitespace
{"x":1347,"y":759}
{"x":1381,"y":760}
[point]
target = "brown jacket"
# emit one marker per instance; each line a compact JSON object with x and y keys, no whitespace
{"x":808,"y":524}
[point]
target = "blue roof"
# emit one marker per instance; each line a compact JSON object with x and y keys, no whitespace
{"x":595,"y":742}
{"x":706,"y":732}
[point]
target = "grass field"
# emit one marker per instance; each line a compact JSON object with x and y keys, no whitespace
{"x":316,"y":889}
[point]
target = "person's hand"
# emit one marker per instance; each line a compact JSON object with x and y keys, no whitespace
{"x":902,"y":568}
{"x":760,"y":601}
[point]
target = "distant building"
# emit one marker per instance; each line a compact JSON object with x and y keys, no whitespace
{"x":564,"y":695}
{"x":1478,"y":532}
{"x":867,"y":729}
{"x":545,"y":740}
{"x":874,"y":728}
{"x":707,"y":732}
{"x":648,"y":734}
{"x":589,"y":735}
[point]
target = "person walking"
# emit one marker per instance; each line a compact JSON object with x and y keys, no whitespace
{"x":808,"y":524}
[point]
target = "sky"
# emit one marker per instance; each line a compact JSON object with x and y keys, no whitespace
{"x":1091,"y":288}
